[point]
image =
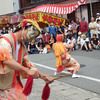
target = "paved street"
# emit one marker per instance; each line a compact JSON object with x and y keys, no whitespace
{"x":89,"y":82}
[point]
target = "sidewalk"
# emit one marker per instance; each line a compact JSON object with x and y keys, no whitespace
{"x":61,"y":91}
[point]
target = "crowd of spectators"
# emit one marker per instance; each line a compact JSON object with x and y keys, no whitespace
{"x":86,"y":36}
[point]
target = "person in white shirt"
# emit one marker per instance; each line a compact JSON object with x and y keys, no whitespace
{"x":85,"y":44}
{"x":98,"y":28}
{"x":79,"y":40}
{"x":92,"y":27}
{"x":97,"y":16}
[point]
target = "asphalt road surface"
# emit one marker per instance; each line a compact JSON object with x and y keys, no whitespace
{"x":89,"y":70}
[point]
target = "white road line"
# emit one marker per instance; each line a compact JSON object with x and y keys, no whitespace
{"x":82,"y":76}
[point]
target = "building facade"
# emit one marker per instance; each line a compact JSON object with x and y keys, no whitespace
{"x":9,"y":7}
{"x":90,"y":9}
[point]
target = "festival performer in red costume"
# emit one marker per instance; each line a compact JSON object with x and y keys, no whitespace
{"x":14,"y":61}
{"x":63,"y":59}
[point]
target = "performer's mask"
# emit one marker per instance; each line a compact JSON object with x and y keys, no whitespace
{"x":34,"y":29}
{"x":32,"y":33}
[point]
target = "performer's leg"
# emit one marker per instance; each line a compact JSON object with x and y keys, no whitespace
{"x":85,"y":45}
{"x":73,"y":67}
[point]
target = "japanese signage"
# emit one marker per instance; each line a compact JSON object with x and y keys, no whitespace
{"x":4,"y":20}
{"x":45,"y":18}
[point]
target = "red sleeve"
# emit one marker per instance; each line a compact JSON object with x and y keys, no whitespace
{"x":80,"y":27}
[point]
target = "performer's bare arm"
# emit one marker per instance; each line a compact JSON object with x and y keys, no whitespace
{"x":35,"y":73}
{"x":69,"y":45}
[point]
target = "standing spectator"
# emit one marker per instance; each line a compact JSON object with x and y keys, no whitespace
{"x":4,"y":31}
{"x":65,"y":31}
{"x":97,"y":16}
{"x":77,"y":25}
{"x":32,"y":47}
{"x":7,"y":25}
{"x":52,"y":40}
{"x":61,"y":28}
{"x":98,"y":28}
{"x":52,"y":29}
{"x":92,"y":27}
{"x":74,"y":27}
{"x":83,"y":27}
{"x":95,"y":42}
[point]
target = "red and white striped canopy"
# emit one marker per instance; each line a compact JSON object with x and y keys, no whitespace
{"x":59,"y":9}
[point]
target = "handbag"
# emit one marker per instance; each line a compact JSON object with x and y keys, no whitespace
{"x":74,"y":31}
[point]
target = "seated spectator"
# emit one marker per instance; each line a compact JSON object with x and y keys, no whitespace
{"x":52,"y":40}
{"x":4,"y":31}
{"x":67,"y":36}
{"x":39,"y":37}
{"x":79,"y":40}
{"x":9,"y":30}
{"x":41,"y":45}
{"x":47,"y":46}
{"x":95,"y":42}
{"x":32,"y":47}
{"x":85,"y":44}
{"x":13,"y":28}
{"x":72,"y":40}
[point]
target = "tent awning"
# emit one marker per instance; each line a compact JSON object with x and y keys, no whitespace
{"x":45,"y":18}
{"x":59,"y":9}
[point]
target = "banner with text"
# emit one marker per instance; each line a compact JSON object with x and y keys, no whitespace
{"x":45,"y":18}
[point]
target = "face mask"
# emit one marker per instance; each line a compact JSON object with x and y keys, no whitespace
{"x":32,"y":33}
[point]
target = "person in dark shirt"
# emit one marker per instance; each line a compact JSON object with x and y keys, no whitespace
{"x":32,"y":47}
{"x":4,"y":31}
{"x":77,"y":25}
{"x":61,"y":28}
{"x":95,"y":42}
{"x":67,"y":36}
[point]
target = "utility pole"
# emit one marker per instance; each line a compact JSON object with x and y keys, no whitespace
{"x":91,"y":8}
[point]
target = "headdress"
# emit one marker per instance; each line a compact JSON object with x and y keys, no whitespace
{"x":34,"y":30}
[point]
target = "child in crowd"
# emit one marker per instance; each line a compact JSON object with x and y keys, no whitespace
{"x":47,"y":46}
{"x":79,"y":40}
{"x":72,"y":40}
{"x":95,"y":42}
{"x":42,"y":47}
{"x":85,"y":44}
